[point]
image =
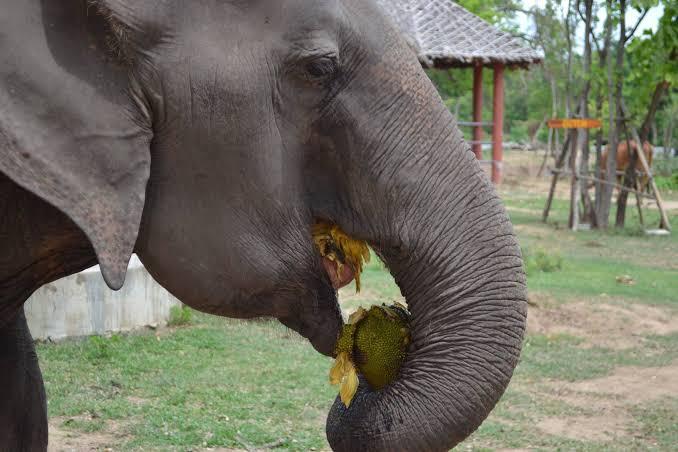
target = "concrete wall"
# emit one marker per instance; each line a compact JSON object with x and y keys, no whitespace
{"x":83,"y":304}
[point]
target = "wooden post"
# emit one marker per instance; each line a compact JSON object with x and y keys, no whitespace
{"x":664,"y":219}
{"x":640,"y":209}
{"x":549,"y":144}
{"x":498,"y":124}
{"x":478,"y":111}
{"x":556,"y":174}
{"x":574,"y":188}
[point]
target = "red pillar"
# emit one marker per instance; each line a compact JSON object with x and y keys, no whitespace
{"x":478,"y":111}
{"x":498,"y":124}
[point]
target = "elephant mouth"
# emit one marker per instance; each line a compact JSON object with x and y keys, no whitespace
{"x":339,"y":273}
{"x":342,"y":256}
{"x":340,"y":260}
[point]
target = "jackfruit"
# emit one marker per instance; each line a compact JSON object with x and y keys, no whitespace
{"x":373,"y":342}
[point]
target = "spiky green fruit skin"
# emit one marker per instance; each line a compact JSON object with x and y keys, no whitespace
{"x":380,"y":345}
{"x":345,"y":341}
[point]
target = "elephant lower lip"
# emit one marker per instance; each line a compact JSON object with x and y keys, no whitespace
{"x":339,"y":276}
{"x":324,"y":344}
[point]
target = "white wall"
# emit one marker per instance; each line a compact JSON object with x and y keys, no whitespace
{"x":82,"y":304}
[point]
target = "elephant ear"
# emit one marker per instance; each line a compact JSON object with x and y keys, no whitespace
{"x":69,"y":132}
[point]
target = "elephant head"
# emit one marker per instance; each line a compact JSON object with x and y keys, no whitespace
{"x":210,"y":137}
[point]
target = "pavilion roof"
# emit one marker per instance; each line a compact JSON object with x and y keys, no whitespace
{"x":446,"y":35}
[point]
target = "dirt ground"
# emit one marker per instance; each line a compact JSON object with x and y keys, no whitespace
{"x":602,"y":324}
{"x":61,"y":440}
{"x":607,"y":400}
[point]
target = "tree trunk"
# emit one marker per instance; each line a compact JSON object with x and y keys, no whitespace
{"x":568,"y":83}
{"x":533,"y":138}
{"x":629,"y":179}
{"x":603,"y":56}
{"x":655,"y":134}
{"x":650,"y":124}
{"x":668,"y":137}
{"x":615,"y":83}
{"x":554,"y":97}
{"x":554,"y":114}
{"x":584,"y":108}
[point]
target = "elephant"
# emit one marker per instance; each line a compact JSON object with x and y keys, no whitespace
{"x":208,"y":138}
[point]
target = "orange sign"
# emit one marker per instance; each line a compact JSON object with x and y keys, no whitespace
{"x":574,"y":123}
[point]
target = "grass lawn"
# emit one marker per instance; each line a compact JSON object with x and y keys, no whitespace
{"x":599,"y":370}
{"x":215,"y":383}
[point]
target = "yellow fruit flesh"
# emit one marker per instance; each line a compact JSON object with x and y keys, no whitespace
{"x":337,"y":246}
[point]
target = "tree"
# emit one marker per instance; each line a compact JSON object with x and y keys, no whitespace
{"x":493,"y":11}
{"x":652,"y":59}
{"x":655,"y":55}
{"x":584,"y":77}
{"x":615,"y":87}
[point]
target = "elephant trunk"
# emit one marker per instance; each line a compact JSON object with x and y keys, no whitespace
{"x":450,"y":247}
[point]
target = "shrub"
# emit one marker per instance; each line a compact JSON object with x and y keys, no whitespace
{"x":665,"y":166}
{"x":100,"y":348}
{"x":180,"y":315}
{"x":541,"y":261}
{"x":667,"y":183}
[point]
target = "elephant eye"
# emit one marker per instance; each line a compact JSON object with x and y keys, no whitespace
{"x":322,"y":67}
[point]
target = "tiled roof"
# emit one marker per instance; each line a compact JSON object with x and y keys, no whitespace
{"x":446,"y":35}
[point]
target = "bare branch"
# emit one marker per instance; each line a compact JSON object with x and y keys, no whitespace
{"x":635,"y":27}
{"x":581,"y":15}
{"x":594,"y":38}
{"x":592,"y":33}
{"x":516,"y":9}
{"x":524,"y":36}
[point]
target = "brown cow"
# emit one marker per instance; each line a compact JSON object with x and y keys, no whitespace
{"x":624,"y":158}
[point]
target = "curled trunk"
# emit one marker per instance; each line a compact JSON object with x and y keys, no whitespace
{"x":412,"y":188}
{"x":455,"y":258}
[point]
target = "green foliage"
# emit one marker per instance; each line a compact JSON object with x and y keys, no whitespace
{"x":98,"y":348}
{"x":665,"y":166}
{"x":493,"y":11}
{"x":650,"y":58}
{"x":180,"y":315}
{"x":667,"y":183}
{"x":654,"y":54}
{"x":541,"y":261}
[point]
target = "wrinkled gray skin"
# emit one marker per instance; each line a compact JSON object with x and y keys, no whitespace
{"x":206,"y":137}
